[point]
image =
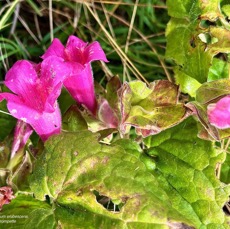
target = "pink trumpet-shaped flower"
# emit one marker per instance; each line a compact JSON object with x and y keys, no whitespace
{"x":35,"y":91}
{"x":79,"y":54}
{"x":219,"y":113}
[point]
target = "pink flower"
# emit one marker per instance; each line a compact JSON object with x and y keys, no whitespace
{"x":35,"y":91}
{"x":219,"y":113}
{"x":79,"y":54}
{"x":6,"y":195}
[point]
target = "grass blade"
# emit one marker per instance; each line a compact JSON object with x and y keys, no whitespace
{"x":8,"y":14}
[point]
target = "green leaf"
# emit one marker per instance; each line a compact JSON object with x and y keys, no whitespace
{"x":114,"y":171}
{"x":187,"y":84}
{"x":223,"y":42}
{"x":218,"y":70}
{"x":181,"y":186}
{"x":73,"y":120}
{"x":139,"y":91}
{"x":26,"y":212}
{"x":183,"y":8}
{"x":179,"y":30}
{"x":79,"y":217}
{"x":186,"y":50}
{"x":210,"y":10}
{"x":197,"y":63}
{"x":112,"y":88}
{"x":188,"y":164}
{"x":65,"y":101}
{"x":151,"y":109}
{"x":213,"y":90}
{"x":51,"y":169}
{"x":226,"y":10}
{"x":191,"y":45}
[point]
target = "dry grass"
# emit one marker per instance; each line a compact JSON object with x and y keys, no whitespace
{"x":131,"y":33}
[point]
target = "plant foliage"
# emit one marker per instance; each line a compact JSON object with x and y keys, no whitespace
{"x":147,"y":156}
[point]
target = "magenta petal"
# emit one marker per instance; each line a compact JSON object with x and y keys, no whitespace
{"x":36,"y":89}
{"x":20,"y":77}
{"x":45,"y":124}
{"x":21,"y":111}
{"x":54,"y":70}
{"x":219,"y":113}
{"x":75,"y":50}
{"x":10,"y":97}
{"x":50,"y":102}
{"x":21,"y":135}
{"x":81,"y":88}
{"x":1,"y":98}
{"x":74,"y":42}
{"x":76,"y":68}
{"x":56,"y":49}
{"x":94,"y":52}
{"x":48,"y":124}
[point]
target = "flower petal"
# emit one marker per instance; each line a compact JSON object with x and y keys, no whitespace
{"x":50,"y":102}
{"x":45,"y":124}
{"x":48,"y":124}
{"x":75,"y":50}
{"x":54,"y":70}
{"x":94,"y":52}
{"x":21,"y":79}
{"x":219,"y":113}
{"x":81,"y":88}
{"x":19,"y":109}
{"x":74,"y":42}
{"x":55,"y":49}
{"x":21,"y":74}
{"x":10,"y":97}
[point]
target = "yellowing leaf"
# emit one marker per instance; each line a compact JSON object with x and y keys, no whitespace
{"x":151,"y":109}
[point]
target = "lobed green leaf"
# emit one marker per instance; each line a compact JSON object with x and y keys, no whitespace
{"x":188,"y":164}
{"x":151,"y":109}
